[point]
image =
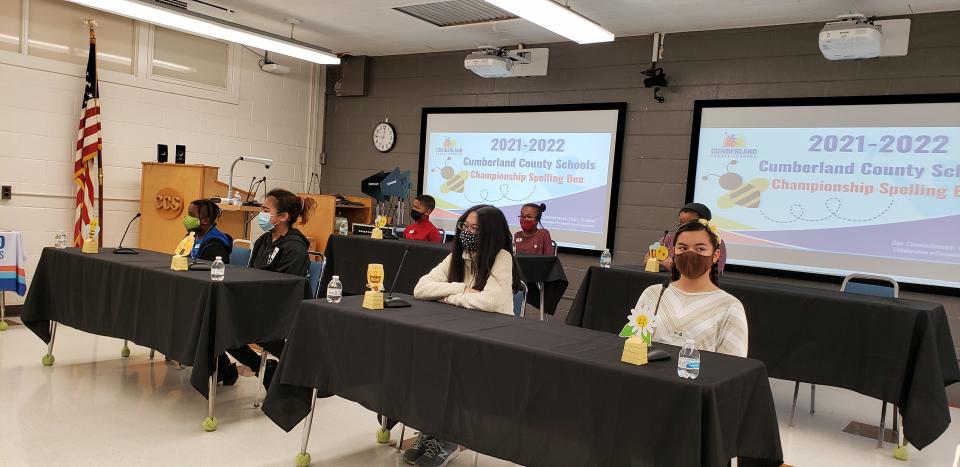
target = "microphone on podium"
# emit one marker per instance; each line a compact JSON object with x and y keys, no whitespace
{"x":390,"y":301}
{"x":126,"y":251}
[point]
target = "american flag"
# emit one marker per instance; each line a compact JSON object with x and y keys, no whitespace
{"x":89,"y":145}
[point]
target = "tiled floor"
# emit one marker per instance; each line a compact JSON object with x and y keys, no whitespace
{"x":93,"y":408}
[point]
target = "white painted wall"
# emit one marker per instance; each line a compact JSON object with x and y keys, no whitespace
{"x":39,"y":115}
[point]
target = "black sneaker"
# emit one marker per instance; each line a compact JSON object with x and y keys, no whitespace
{"x":411,"y":455}
{"x":438,"y":453}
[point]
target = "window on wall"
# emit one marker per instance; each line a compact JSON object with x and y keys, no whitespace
{"x":57,"y":31}
{"x":10,"y":19}
{"x":185,"y":57}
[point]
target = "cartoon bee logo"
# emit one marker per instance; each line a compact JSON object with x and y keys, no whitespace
{"x":739,"y":193}
{"x":455,"y":181}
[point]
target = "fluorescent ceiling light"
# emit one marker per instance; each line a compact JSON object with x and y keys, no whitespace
{"x":213,"y":28}
{"x":557,"y":18}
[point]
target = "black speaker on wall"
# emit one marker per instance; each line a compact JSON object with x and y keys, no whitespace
{"x":162,"y":153}
{"x":181,"y":154}
{"x":353,"y":75}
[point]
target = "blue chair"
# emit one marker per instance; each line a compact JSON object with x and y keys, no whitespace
{"x":854,"y":283}
{"x":240,"y":255}
{"x":316,"y":272}
{"x":520,"y":301}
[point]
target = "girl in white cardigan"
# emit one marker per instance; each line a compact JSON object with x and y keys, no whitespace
{"x":480,"y":273}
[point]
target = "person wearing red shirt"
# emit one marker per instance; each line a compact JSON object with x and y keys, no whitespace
{"x":422,"y":229}
{"x":533,"y":239}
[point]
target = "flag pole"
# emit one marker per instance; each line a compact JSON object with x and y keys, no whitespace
{"x":92,"y":23}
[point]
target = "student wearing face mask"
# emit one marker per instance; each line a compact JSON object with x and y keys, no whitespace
{"x":693,"y":306}
{"x":209,"y":241}
{"x":533,"y":239}
{"x":281,"y":248}
{"x":422,"y":229}
{"x":479,"y":274}
{"x":691,"y":212}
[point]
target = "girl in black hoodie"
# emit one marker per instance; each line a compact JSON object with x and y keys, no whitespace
{"x":282,"y":248}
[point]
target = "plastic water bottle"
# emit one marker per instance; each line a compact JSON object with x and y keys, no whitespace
{"x":236,"y":199}
{"x":606,"y":259}
{"x":334,"y":290}
{"x":61,"y":240}
{"x":688,"y":362}
{"x":343,"y":227}
{"x":218,"y":270}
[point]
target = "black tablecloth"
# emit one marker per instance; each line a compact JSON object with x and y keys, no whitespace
{"x":348,"y":257}
{"x":522,"y":390}
{"x":896,"y":350}
{"x":184,"y":315}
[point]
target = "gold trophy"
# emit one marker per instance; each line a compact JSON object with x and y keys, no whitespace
{"x":90,"y":242}
{"x":377,"y":231}
{"x":179,"y":261}
{"x":373,"y":298}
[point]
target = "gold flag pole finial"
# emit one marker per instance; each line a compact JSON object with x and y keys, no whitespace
{"x":91,"y":23}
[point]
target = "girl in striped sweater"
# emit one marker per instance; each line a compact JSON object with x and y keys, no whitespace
{"x":693,"y":306}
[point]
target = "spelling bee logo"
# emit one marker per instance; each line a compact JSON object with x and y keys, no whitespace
{"x":449,"y":148}
{"x":734,"y":145}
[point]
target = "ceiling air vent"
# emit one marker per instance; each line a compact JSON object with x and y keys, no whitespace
{"x":456,"y":12}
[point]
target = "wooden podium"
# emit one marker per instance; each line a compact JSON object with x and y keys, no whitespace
{"x":166,"y":191}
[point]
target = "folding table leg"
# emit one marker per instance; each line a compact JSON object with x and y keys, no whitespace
{"x":210,"y":423}
{"x":3,"y":312}
{"x":403,"y":429}
{"x":383,"y":434}
{"x":125,"y":351}
{"x":48,"y":359}
{"x":900,"y":452}
{"x":303,"y":457}
{"x":883,"y":424}
{"x":543,"y":306}
{"x":263,"y":369}
{"x":793,"y":410}
{"x":813,"y":398}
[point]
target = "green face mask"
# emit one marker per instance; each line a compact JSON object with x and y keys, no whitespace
{"x":191,"y":223}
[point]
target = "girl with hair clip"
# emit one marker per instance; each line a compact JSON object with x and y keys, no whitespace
{"x":201,"y":219}
{"x":533,"y":239}
{"x":281,"y":248}
{"x":691,"y":305}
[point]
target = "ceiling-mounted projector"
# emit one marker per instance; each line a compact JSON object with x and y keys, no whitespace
{"x":852,"y":36}
{"x":487,"y":65}
{"x":498,"y":62}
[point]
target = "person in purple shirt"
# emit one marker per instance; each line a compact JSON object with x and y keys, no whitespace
{"x":691,"y":212}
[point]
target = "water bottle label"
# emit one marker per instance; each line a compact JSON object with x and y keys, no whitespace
{"x":693,"y":365}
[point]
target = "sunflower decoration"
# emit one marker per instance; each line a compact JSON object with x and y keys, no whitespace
{"x":639,"y":324}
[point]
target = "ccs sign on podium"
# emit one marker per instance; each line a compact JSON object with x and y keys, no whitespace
{"x":168,"y":203}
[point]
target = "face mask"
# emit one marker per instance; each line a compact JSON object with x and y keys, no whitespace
{"x":264,"y":220}
{"x":469,"y":240}
{"x":191,"y":223}
{"x":528,"y":225}
{"x":692,"y":264}
{"x":415,"y":215}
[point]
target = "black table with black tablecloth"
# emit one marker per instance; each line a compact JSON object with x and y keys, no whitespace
{"x":896,"y":350}
{"x":522,"y":390}
{"x":348,"y":257}
{"x":182,"y":314}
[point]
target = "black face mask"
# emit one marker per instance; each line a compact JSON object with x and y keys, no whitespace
{"x":415,"y":215}
{"x":469,"y":240}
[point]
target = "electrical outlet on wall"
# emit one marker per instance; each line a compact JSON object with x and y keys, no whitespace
{"x":6,"y":192}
